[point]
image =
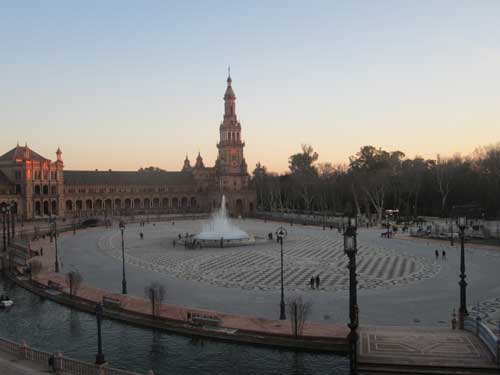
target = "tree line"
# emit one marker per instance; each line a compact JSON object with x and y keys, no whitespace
{"x":375,"y":180}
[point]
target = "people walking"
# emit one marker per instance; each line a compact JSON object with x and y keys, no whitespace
{"x":443,"y":254}
{"x":437,"y":254}
{"x":311,"y":282}
{"x":317,"y":281}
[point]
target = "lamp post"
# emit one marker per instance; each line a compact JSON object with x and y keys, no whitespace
{"x":13,"y":221}
{"x":350,"y":249}
{"x":451,"y":239}
{"x":7,"y":215}
{"x":388,"y":226}
{"x":4,"y":221}
{"x":462,"y":312}
{"x":281,"y":234}
{"x":56,"y":263}
{"x":99,"y":358}
{"x":124,"y":281}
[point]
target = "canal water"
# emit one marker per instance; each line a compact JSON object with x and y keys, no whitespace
{"x":48,"y":326}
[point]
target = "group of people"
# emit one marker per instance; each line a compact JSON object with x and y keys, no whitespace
{"x":314,"y":282}
{"x":443,"y":254}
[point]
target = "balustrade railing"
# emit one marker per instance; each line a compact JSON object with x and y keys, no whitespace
{"x":61,"y":364}
{"x":485,"y":334}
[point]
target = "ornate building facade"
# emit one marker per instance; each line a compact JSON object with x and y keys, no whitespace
{"x":38,"y":187}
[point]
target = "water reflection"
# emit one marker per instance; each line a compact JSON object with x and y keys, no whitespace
{"x":51,"y":327}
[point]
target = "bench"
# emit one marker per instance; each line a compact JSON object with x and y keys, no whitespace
{"x":201,"y":319}
{"x":111,"y":302}
{"x":55,"y":285}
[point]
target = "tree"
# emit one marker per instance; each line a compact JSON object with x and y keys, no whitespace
{"x":35,"y":268}
{"x":155,"y":292}
{"x":151,"y":169}
{"x":298,"y":311}
{"x":304,"y":174}
{"x":375,"y":171}
{"x":74,"y":279}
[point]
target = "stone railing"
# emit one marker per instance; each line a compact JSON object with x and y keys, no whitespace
{"x":60,"y":364}
{"x":485,"y":334}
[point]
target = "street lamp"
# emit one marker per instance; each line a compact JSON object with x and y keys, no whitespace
{"x":281,"y":234}
{"x":7,"y":215}
{"x":4,"y":221}
{"x":462,"y":312}
{"x":56,"y":263}
{"x":99,"y":358}
{"x":451,"y":240}
{"x":350,"y":249}
{"x":124,"y":281}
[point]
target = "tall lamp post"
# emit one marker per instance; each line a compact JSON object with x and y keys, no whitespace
{"x":4,"y":222}
{"x":281,"y":234}
{"x":462,"y":311}
{"x":124,"y":281}
{"x":99,"y":358}
{"x":56,"y":263}
{"x":7,"y":215}
{"x":350,"y":249}
{"x":451,"y":238}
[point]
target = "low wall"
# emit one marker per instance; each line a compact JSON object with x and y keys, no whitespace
{"x":61,"y":364}
{"x":485,"y":334}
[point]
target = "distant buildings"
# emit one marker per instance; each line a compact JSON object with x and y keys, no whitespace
{"x":39,"y":187}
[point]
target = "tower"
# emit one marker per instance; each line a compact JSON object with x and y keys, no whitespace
{"x":231,"y":167}
{"x":231,"y":164}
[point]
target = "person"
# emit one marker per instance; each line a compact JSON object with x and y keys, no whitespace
{"x":437,"y":254}
{"x":180,"y":236}
{"x":51,"y":363}
{"x":311,"y":282}
{"x":173,"y":222}
{"x":317,"y":281}
{"x":443,"y":254}
{"x":142,"y":235}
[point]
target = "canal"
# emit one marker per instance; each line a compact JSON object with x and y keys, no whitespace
{"x":51,"y":327}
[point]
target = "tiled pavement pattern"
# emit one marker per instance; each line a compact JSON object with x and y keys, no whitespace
{"x":422,"y":347}
{"x":258,"y":267}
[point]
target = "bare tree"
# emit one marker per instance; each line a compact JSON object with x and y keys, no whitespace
{"x":155,"y":292}
{"x":298,"y":311}
{"x":74,"y":279}
{"x":35,"y":268}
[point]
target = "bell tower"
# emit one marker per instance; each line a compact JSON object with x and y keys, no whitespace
{"x":230,"y":161}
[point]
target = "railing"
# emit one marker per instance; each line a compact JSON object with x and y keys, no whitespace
{"x":61,"y":364}
{"x":485,"y":334}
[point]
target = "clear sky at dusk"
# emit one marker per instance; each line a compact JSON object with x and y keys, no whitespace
{"x":125,"y":84}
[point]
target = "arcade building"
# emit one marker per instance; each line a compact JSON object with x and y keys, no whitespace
{"x":36,"y":187}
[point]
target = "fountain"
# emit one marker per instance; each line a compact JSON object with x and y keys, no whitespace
{"x":221,"y":229}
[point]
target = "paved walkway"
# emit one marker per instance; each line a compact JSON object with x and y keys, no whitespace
{"x":179,"y":313}
{"x":9,"y":365}
{"x":426,"y":347}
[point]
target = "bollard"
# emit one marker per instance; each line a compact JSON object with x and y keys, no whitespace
{"x":454,"y":320}
{"x":24,"y":350}
{"x":58,"y":363}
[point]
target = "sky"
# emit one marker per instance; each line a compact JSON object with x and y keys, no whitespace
{"x":127,"y":84}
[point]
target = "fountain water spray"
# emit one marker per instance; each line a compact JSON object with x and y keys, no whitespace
{"x":220,"y":226}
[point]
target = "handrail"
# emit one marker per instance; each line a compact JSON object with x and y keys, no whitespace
{"x":64,"y":364}
{"x":485,"y":334}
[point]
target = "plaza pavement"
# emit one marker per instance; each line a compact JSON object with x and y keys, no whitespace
{"x":401,"y":282}
{"x":9,"y":365}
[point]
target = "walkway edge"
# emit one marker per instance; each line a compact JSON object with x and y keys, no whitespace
{"x":338,"y":345}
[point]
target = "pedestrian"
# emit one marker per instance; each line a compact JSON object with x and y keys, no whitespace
{"x":142,"y":235}
{"x":443,"y":254}
{"x":311,"y":282}
{"x":51,"y":363}
{"x":317,"y":281}
{"x":437,"y":254}
{"x":180,"y":236}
